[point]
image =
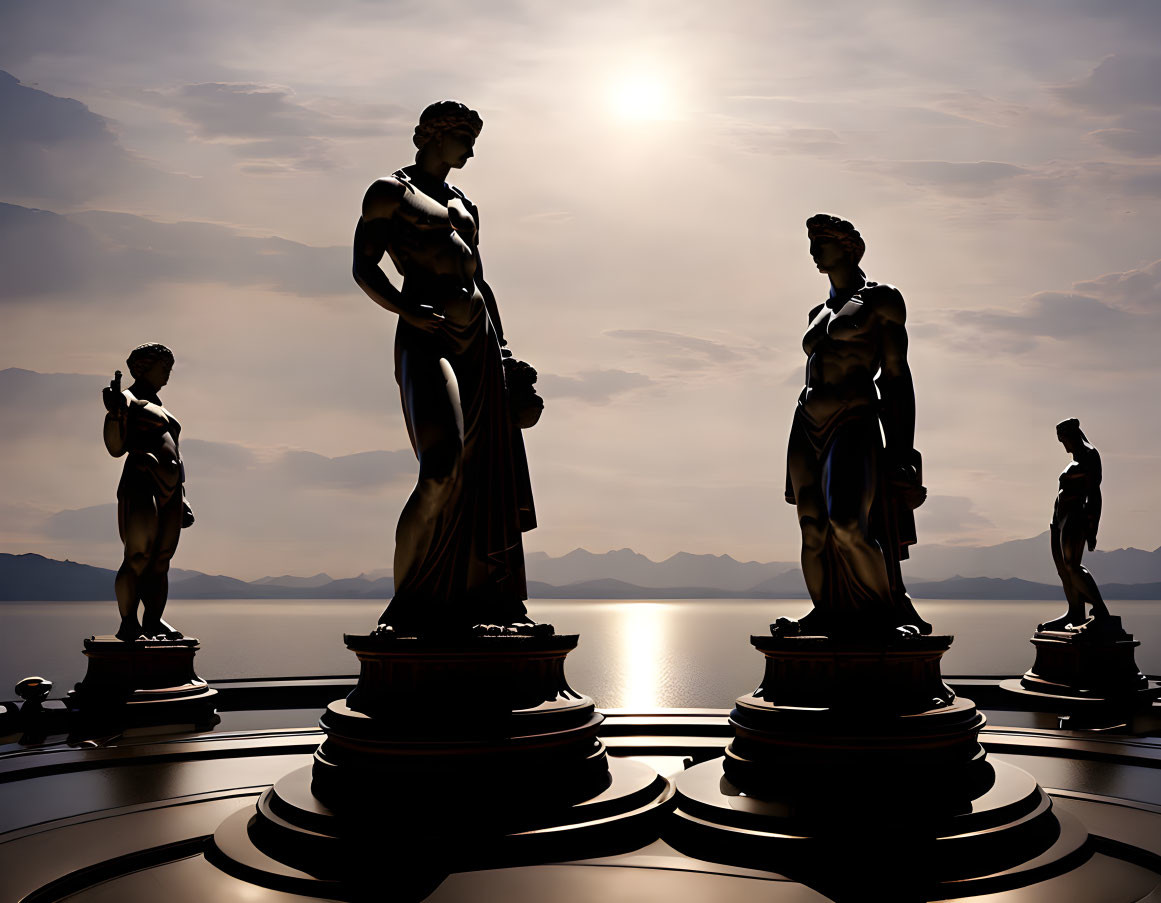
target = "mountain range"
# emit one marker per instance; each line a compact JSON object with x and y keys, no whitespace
{"x":1011,"y":570}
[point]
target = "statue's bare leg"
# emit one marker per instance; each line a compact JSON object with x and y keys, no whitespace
{"x":431,"y":405}
{"x":137,"y":518}
{"x":1074,"y":614}
{"x":154,"y":582}
{"x":802,"y":464}
{"x":1083,"y":587}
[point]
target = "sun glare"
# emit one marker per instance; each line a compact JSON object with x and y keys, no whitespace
{"x":642,"y":96}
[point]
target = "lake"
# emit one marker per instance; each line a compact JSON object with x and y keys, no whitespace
{"x":687,"y":653}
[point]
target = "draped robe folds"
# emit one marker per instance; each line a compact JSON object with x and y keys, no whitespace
{"x":472,"y":570}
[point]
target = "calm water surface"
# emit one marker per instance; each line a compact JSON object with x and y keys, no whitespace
{"x":693,"y":652}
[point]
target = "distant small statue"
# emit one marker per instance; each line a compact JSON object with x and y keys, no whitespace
{"x":1076,"y":515}
{"x":853,"y":494}
{"x":151,"y":504}
{"x":459,"y":556}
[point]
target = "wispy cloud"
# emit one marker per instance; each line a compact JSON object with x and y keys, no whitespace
{"x":593,"y":386}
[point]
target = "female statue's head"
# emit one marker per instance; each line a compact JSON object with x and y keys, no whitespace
{"x":150,"y":363}
{"x":449,"y":130}
{"x":1071,"y":436}
{"x":834,"y":243}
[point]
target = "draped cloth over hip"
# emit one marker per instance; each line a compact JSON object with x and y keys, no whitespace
{"x":851,"y":436}
{"x":472,"y":570}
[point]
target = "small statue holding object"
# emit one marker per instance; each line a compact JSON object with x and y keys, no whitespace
{"x":151,"y":506}
{"x":854,"y":494}
{"x":1076,"y":516}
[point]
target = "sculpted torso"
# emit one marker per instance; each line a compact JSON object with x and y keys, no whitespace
{"x":430,"y":239}
{"x":151,"y":440}
{"x":845,"y":344}
{"x":1075,"y":483}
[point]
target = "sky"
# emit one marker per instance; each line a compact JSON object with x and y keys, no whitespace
{"x":191,"y":173}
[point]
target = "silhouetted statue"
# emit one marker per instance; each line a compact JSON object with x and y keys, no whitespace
{"x":459,"y":558}
{"x":854,"y":496}
{"x":1075,"y":518}
{"x":151,"y":504}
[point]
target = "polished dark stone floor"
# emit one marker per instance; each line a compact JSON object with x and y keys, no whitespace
{"x":129,"y":818}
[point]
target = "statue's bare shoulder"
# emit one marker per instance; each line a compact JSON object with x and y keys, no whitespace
{"x":383,"y":198}
{"x":887,"y":303}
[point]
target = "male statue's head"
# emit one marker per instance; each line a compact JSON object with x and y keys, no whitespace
{"x":150,"y":364}
{"x":834,"y":243}
{"x":447,"y":131}
{"x":1071,"y":436}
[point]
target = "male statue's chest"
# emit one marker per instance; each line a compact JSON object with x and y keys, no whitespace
{"x":422,"y":213}
{"x":850,"y":323}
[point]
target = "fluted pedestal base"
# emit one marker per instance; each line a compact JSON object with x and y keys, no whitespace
{"x":1090,"y":677}
{"x":853,"y":765}
{"x":1085,"y":664}
{"x":140,"y":683}
{"x":446,"y":756}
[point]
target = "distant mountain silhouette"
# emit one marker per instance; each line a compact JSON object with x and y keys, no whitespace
{"x":1030,"y":559}
{"x":31,"y":577}
{"x":683,"y":569}
{"x":296,"y":582}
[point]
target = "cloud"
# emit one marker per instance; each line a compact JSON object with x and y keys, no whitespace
{"x":45,"y":253}
{"x":1137,"y":290}
{"x":1137,"y":134}
{"x":295,"y":469}
{"x":760,"y":138}
{"x":96,"y":523}
{"x":56,"y":150}
{"x":593,"y":386}
{"x":363,"y":470}
{"x":1110,"y":323}
{"x":1119,"y":83}
{"x":968,"y":179}
{"x":695,"y":352}
{"x":1125,"y":87}
{"x":943,"y":514}
{"x":273,"y":129}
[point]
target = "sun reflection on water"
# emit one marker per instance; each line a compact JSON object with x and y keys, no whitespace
{"x":643,"y":631}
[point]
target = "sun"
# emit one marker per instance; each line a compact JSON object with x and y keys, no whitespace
{"x":642,"y":96}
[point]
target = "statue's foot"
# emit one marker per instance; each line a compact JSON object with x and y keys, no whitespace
{"x":517,"y":628}
{"x":1061,"y":623}
{"x":786,"y":627}
{"x":160,"y":631}
{"x":813,"y":623}
{"x":1100,"y":627}
{"x":129,"y":631}
{"x":910,"y":617}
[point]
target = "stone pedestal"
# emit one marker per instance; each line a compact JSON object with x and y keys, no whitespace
{"x":853,"y":765}
{"x":1089,"y":676}
{"x":140,"y":683}
{"x":446,"y":756}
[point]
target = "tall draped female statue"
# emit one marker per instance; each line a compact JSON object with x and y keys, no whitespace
{"x":854,"y":494}
{"x":1075,"y":519}
{"x":459,"y":558}
{"x":151,"y":504}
